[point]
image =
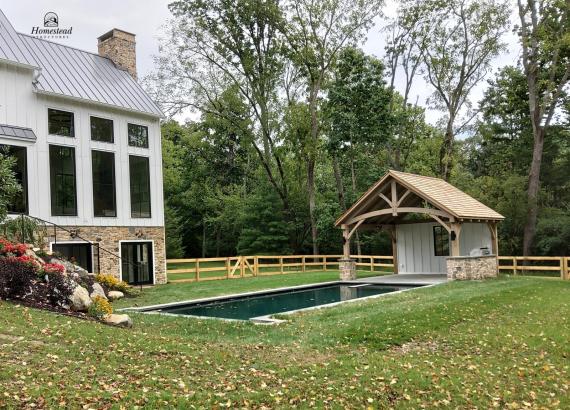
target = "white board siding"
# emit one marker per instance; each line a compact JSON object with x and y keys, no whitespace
{"x":21,"y":106}
{"x":474,"y":236}
{"x":415,"y":246}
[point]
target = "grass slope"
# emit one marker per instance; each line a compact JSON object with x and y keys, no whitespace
{"x":499,"y":343}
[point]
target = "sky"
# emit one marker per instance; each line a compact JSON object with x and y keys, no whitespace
{"x":92,"y":18}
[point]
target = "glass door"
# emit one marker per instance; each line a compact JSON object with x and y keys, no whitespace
{"x":136,"y":261}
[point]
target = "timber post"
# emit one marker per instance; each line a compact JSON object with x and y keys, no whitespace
{"x":347,"y":265}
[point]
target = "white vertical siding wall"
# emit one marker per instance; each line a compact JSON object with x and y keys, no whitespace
{"x":21,"y":106}
{"x":415,"y":246}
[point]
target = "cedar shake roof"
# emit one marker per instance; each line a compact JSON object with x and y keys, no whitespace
{"x":434,"y":191}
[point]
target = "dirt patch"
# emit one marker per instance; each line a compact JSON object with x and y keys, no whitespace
{"x":6,"y":339}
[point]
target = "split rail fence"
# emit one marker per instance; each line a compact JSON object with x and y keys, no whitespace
{"x":201,"y":269}
{"x":536,"y":265}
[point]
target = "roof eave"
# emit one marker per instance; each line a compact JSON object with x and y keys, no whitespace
{"x":88,"y":101}
{"x":18,"y":64}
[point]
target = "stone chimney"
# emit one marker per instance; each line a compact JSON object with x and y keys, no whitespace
{"x":120,"y":47}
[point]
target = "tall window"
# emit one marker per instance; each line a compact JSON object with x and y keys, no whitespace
{"x":140,"y":186}
{"x":138,"y":136}
{"x":60,"y":123}
{"x":440,"y":241}
{"x":102,"y":129}
{"x":103,"y":166}
{"x":62,"y":181}
{"x":19,"y":203}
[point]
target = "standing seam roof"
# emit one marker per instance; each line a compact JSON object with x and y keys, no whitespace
{"x":75,"y":73}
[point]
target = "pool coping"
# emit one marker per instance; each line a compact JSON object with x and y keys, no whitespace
{"x":268,"y":319}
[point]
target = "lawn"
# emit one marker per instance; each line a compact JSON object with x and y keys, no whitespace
{"x":500,"y":343}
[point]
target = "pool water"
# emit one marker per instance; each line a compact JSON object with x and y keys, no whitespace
{"x":252,"y":306}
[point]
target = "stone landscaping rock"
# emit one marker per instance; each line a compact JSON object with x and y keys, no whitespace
{"x":115,"y":295}
{"x":118,"y":320}
{"x":71,"y":269}
{"x":80,"y":300}
{"x":98,"y":291}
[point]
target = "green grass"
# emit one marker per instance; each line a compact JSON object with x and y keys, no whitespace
{"x":500,"y":343}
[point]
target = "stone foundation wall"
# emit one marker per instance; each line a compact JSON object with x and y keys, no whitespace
{"x":108,"y":237}
{"x":471,"y":267}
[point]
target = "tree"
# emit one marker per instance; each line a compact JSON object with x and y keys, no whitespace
{"x":457,"y":40}
{"x":356,"y":114}
{"x":315,"y":33}
{"x":9,"y":186}
{"x":219,"y":44}
{"x":544,"y":34}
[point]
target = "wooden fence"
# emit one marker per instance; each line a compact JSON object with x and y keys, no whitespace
{"x":536,"y":265}
{"x":201,"y":269}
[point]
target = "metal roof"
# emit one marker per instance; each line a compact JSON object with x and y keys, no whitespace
{"x":14,"y":132}
{"x":436,"y":191}
{"x":70,"y":72}
{"x":76,"y":73}
{"x":12,"y":48}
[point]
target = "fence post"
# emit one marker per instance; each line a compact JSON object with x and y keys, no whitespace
{"x":372,"y":264}
{"x":281,"y":264}
{"x":325,"y":263}
{"x":303,"y":263}
{"x":562,"y":273}
{"x":515,"y":265}
{"x":242,"y":266}
{"x":255,"y":265}
{"x":566,"y":269}
{"x":227,"y":268}
{"x":197,"y":266}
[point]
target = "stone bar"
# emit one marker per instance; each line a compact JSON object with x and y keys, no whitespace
{"x":472,"y":267}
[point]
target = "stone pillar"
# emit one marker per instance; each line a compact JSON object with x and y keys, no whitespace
{"x":347,"y":269}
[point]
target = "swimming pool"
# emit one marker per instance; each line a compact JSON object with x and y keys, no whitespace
{"x":259,"y":306}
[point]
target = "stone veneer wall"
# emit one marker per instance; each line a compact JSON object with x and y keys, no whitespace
{"x":108,"y":238}
{"x":471,"y":267}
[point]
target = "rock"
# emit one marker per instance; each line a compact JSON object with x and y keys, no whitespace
{"x":115,"y":295}
{"x":118,"y":320}
{"x":98,"y":291}
{"x":79,"y":299}
{"x":70,"y":268}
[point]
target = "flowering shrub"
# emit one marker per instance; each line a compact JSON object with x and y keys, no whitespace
{"x":53,"y":268}
{"x":112,"y":283}
{"x":7,"y":247}
{"x":100,"y":308}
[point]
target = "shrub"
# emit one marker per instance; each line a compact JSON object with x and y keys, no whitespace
{"x":100,"y":308}
{"x":17,"y":276}
{"x":59,"y":288}
{"x":53,"y":268}
{"x":112,"y":283}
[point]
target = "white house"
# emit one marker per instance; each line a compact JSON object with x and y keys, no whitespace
{"x":435,"y":227}
{"x":87,"y":139}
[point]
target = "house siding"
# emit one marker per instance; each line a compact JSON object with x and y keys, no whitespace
{"x":21,"y":106}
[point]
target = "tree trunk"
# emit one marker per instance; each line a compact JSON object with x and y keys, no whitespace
{"x":311,"y":191}
{"x":218,"y":241}
{"x":311,"y":160}
{"x":532,"y":193}
{"x":339,"y":184}
{"x":353,"y":175}
{"x":446,"y":151}
{"x":203,"y":238}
